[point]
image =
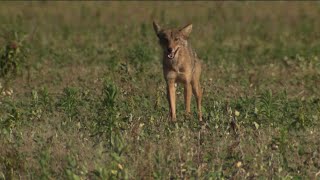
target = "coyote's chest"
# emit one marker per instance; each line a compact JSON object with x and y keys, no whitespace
{"x":179,"y":71}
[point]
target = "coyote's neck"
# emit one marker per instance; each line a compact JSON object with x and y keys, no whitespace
{"x":192,"y":53}
{"x":172,"y":63}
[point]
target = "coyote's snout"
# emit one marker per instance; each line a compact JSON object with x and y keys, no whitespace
{"x":180,"y":64}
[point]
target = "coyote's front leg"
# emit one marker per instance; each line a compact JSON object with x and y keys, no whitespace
{"x":171,"y":94}
{"x":187,"y":96}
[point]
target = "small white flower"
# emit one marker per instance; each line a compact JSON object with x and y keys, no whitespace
{"x":238,"y":164}
{"x":237,"y":113}
{"x":9,"y":93}
{"x":120,"y":166}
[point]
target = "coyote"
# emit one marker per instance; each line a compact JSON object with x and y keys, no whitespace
{"x":180,"y":64}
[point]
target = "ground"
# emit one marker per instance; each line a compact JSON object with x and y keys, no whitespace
{"x":88,"y":97}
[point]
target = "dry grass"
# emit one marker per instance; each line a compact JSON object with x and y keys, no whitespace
{"x":62,"y":121}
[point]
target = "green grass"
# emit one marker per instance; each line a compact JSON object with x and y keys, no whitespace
{"x":84,"y":97}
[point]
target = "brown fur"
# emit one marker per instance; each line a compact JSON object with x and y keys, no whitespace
{"x":180,"y":64}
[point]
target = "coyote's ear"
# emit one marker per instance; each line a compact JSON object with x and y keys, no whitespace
{"x":186,"y":30}
{"x":156,"y":28}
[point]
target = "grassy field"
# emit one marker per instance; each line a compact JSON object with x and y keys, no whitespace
{"x":83,"y":94}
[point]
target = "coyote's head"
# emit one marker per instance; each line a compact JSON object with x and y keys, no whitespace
{"x":171,"y":40}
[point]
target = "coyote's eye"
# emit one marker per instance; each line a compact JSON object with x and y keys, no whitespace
{"x":164,"y":40}
{"x":176,"y":39}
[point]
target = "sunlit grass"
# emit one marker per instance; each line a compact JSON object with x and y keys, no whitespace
{"x":88,"y":100}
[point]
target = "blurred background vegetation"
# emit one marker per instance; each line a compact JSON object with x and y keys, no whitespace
{"x":83,"y":97}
